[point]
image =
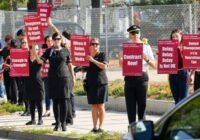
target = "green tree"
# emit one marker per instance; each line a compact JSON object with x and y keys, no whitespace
{"x":10,"y":5}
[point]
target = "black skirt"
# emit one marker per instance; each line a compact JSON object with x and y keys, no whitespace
{"x":97,"y":94}
{"x":59,"y":87}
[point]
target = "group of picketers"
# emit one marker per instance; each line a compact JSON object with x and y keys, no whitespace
{"x":59,"y":83}
{"x":31,"y":90}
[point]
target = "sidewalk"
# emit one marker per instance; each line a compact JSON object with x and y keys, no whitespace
{"x":114,"y":121}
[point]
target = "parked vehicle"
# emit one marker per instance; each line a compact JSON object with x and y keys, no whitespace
{"x":114,"y":44}
{"x":180,"y":123}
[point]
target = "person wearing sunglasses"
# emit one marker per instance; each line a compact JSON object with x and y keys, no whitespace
{"x":97,"y":81}
{"x":58,"y":79}
{"x":136,"y":87}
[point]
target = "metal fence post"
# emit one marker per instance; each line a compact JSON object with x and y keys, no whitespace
{"x":106,"y":24}
{"x":190,"y":17}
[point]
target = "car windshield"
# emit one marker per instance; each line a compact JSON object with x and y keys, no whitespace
{"x":184,"y":122}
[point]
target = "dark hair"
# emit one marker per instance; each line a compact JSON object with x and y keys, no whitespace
{"x":66,"y":34}
{"x":95,"y":38}
{"x":13,"y":43}
{"x":175,"y":31}
{"x":46,"y":37}
{"x":21,"y":32}
{"x":55,"y":35}
{"x":8,"y":37}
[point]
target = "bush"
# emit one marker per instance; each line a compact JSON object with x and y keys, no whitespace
{"x":158,"y":91}
{"x":78,"y":88}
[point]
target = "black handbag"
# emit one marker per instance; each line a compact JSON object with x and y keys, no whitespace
{"x":85,"y":85}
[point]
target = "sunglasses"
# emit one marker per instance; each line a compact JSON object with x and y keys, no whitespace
{"x":24,"y":42}
{"x":94,"y":44}
{"x":57,"y":39}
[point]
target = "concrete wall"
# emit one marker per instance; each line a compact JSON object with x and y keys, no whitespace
{"x":158,"y":107}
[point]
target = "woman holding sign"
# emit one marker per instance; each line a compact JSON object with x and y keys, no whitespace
{"x":97,"y":92}
{"x":136,"y":86}
{"x":178,"y":82}
{"x":34,"y":88}
{"x":58,"y":79}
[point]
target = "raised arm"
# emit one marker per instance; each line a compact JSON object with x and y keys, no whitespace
{"x":34,"y":53}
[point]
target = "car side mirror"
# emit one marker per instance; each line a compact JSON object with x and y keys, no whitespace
{"x":142,"y":130}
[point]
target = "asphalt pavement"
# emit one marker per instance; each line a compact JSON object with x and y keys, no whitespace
{"x":114,"y":121}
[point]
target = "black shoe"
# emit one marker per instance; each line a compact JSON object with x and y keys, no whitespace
{"x":53,"y":123}
{"x":64,"y":128}
{"x":100,"y":130}
{"x":40,"y":122}
{"x":94,"y":130}
{"x":70,"y":122}
{"x":56,"y":128}
{"x":31,"y":123}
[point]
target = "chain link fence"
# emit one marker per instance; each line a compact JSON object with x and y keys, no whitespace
{"x":110,"y":23}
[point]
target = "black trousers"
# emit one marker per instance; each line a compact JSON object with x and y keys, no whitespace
{"x":135,"y":96}
{"x":14,"y":90}
{"x":60,"y":110}
{"x":33,"y":105}
{"x":197,"y":80}
{"x":6,"y":78}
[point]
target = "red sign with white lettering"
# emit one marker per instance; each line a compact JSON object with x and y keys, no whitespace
{"x":80,"y":49}
{"x":19,"y":62}
{"x":33,"y":29}
{"x":167,"y":57}
{"x":132,"y":59}
{"x":44,"y":11}
{"x":191,"y":51}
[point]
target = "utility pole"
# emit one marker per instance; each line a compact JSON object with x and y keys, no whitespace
{"x":95,"y":17}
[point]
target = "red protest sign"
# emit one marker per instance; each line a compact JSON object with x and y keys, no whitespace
{"x":44,"y":11}
{"x":167,"y":56}
{"x":19,"y":62}
{"x":191,"y":51}
{"x":33,"y":29}
{"x":80,"y":49}
{"x":132,"y":59}
{"x":45,"y":69}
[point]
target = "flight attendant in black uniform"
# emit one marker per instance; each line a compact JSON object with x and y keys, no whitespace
{"x":97,"y":82}
{"x":136,"y":86}
{"x":58,"y":79}
{"x":34,"y":88}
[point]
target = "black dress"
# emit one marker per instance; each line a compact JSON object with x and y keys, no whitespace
{"x":33,"y":83}
{"x":58,"y":75}
{"x":97,"y":81}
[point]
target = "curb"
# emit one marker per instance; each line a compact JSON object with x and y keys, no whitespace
{"x":158,"y":107}
{"x":31,"y":136}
